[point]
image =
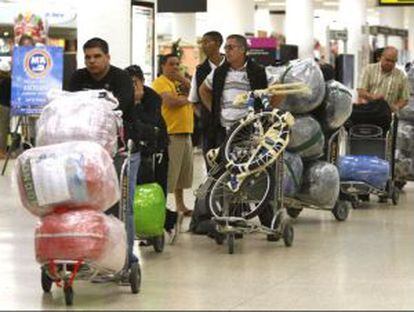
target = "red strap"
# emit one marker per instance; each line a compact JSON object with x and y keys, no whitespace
{"x":52,"y":269}
{"x":73,"y":275}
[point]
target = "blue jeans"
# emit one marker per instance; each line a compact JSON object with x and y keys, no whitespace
{"x":129,"y":217}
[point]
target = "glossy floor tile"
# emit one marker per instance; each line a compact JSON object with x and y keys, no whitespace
{"x":366,"y":262}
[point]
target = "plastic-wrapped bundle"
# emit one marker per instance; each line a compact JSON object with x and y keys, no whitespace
{"x":66,"y":176}
{"x":82,"y":235}
{"x":320,"y":184}
{"x":337,"y":106}
{"x":149,"y":209}
{"x":407,"y":113}
{"x":404,"y":167}
{"x":369,"y":169}
{"x":405,"y":139}
{"x":80,"y":116}
{"x":292,"y":177}
{"x":306,"y":138}
{"x":306,"y":71}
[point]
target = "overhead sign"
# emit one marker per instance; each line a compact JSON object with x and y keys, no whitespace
{"x":35,"y":71}
{"x":396,"y":2}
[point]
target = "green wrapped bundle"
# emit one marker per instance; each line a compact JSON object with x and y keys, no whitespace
{"x":149,"y":210}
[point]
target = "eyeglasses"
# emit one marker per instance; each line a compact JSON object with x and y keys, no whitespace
{"x":231,"y":47}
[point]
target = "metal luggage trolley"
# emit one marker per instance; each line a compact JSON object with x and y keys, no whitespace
{"x":243,"y":181}
{"x":367,"y":139}
{"x":342,"y":206}
{"x":66,"y":271}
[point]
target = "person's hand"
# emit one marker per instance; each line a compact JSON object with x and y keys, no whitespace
{"x":378,"y":96}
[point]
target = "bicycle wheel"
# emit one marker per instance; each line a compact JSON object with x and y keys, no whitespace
{"x":247,"y":202}
{"x":256,"y":141}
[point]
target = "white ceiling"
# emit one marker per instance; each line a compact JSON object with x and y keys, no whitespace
{"x":319,"y":4}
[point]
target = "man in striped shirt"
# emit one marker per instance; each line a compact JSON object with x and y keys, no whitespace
{"x":382,"y":81}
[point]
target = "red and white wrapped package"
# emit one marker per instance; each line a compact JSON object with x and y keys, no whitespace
{"x":71,"y":175}
{"x":80,"y":116}
{"x":86,"y":235}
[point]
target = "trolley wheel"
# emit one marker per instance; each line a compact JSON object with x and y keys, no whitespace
{"x":293,"y":213}
{"x":158,"y":243}
{"x":219,"y":238}
{"x":135,"y":277}
{"x":288,"y":234}
{"x":395,"y":196}
{"x":47,"y":282}
{"x":400,"y":184}
{"x":230,"y":242}
{"x":341,"y":210}
{"x":68,"y":295}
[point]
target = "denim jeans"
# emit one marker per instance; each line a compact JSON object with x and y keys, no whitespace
{"x":129,"y":217}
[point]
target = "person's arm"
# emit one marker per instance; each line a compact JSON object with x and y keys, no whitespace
{"x":363,"y":88}
{"x":171,"y":100}
{"x":403,"y":96}
{"x":206,"y":96}
{"x":124,"y":92}
{"x":185,"y":83}
{"x":75,"y":82}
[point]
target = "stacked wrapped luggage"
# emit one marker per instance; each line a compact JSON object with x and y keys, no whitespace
{"x":308,"y":177}
{"x":69,"y":180}
{"x":404,"y":167}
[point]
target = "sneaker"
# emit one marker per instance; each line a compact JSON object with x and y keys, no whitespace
{"x":173,"y":233}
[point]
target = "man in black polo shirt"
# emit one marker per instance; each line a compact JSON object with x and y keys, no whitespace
{"x":100,"y":74}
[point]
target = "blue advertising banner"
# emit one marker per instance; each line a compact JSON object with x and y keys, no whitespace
{"x":35,"y":71}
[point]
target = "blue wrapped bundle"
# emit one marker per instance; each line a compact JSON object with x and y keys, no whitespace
{"x":369,"y":169}
{"x":292,"y":174}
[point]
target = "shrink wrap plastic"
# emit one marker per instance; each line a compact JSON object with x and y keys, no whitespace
{"x":306,"y":71}
{"x":404,"y":166}
{"x":82,"y":235}
{"x":306,"y":138}
{"x":70,"y":175}
{"x":320,"y":184}
{"x":292,"y":175}
{"x":407,"y":113}
{"x":80,"y":116}
{"x":337,"y":106}
{"x":369,"y":169}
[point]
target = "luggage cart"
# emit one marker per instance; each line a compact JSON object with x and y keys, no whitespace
{"x":64,"y":272}
{"x":253,"y":150}
{"x":367,"y":139}
{"x":341,"y":208}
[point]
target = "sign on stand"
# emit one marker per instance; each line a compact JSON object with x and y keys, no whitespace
{"x":35,"y":71}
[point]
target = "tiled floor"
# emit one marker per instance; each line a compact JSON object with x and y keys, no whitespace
{"x":366,"y":262}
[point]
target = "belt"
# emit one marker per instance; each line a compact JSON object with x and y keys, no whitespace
{"x":180,"y":134}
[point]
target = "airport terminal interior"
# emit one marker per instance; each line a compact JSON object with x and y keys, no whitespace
{"x":304,"y":202}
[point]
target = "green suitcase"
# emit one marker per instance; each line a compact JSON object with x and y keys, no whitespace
{"x":149,"y":210}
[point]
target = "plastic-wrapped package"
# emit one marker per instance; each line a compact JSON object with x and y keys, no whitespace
{"x":82,"y":235}
{"x":149,"y":210}
{"x":337,"y":106}
{"x":80,"y":116}
{"x":66,"y":176}
{"x":407,"y":113}
{"x":306,"y":71}
{"x":292,"y":175}
{"x":320,"y":184}
{"x":405,"y":138}
{"x":306,"y":138}
{"x":369,"y":169}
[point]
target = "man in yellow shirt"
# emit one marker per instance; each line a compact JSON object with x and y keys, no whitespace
{"x":178,"y":114}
